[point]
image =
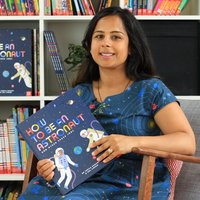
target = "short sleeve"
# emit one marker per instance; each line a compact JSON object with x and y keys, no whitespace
{"x":161,"y":97}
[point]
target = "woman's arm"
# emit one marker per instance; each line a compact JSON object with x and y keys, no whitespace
{"x":178,"y":136}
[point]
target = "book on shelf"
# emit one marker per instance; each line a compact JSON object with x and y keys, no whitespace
{"x":181,"y":6}
{"x":56,"y":60}
{"x":19,"y":7}
{"x":70,"y":7}
{"x":16,"y":62}
{"x":63,"y":131}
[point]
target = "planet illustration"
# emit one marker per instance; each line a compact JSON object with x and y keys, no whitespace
{"x":5,"y":74}
{"x":78,"y":150}
{"x":70,"y":102}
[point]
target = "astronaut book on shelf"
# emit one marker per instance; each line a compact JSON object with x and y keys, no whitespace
{"x":16,"y":62}
{"x":63,"y":131}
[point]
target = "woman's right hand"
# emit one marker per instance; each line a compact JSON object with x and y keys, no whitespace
{"x":45,"y":169}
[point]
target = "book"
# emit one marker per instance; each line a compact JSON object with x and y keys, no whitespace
{"x":62,"y":131}
{"x":181,"y":6}
{"x":56,"y":60}
{"x":16,"y":62}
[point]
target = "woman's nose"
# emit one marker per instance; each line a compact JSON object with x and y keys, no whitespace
{"x":106,"y":42}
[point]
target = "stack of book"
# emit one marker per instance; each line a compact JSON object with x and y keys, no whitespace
{"x":74,"y":7}
{"x":156,"y":7}
{"x":19,"y":7}
{"x":14,"y":152}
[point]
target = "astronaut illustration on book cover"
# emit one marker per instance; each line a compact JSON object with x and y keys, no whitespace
{"x":22,"y":73}
{"x":62,"y":162}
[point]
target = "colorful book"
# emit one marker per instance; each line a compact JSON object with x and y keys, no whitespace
{"x":181,"y":6}
{"x":63,"y":131}
{"x":13,"y":146}
{"x":16,"y":62}
{"x":47,"y":7}
{"x":56,"y":60}
{"x":150,"y":6}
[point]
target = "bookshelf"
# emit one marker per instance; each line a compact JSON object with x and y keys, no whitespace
{"x":69,"y":29}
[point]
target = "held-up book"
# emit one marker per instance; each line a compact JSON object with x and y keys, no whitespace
{"x":63,"y":131}
{"x":16,"y":62}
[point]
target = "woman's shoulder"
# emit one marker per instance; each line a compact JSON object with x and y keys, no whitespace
{"x":151,"y":84}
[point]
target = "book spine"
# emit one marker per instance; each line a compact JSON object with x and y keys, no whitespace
{"x":7,"y":148}
{"x":53,"y":6}
{"x":134,"y":7}
{"x":140,"y":7}
{"x":161,"y":7}
{"x":8,"y":8}
{"x":157,"y":6}
{"x":13,"y":145}
{"x":2,"y":150}
{"x":36,"y":7}
{"x":47,"y":7}
{"x":64,"y":9}
{"x":18,"y":7}
{"x":181,"y":7}
{"x":89,"y":11}
{"x":23,"y":6}
{"x":91,"y":7}
{"x":18,"y":164}
{"x":144,"y":10}
{"x":78,"y":12}
{"x":150,"y":6}
{"x":175,"y":6}
{"x":30,"y":8}
{"x":3,"y":8}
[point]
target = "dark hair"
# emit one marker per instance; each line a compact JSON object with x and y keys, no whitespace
{"x":139,"y":63}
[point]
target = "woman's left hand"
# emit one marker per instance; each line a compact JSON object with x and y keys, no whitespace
{"x":111,"y":147}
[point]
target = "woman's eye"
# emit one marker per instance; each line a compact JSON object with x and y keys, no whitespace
{"x":115,"y":37}
{"x":99,"y":36}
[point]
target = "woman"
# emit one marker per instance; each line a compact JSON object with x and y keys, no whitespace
{"x":118,"y":83}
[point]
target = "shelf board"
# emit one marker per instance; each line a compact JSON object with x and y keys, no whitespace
{"x":172,"y":17}
{"x":20,"y":18}
{"x":12,"y":177}
{"x":20,"y":98}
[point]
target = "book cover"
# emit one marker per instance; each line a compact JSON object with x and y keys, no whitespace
{"x":62,"y":131}
{"x":16,"y":57}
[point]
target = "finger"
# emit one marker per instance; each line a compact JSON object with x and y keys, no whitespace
{"x":49,"y":177}
{"x":100,"y":149}
{"x":104,"y":155}
{"x":43,"y":163}
{"x":98,"y":142}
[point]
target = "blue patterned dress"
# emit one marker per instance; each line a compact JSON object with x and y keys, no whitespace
{"x":129,"y":113}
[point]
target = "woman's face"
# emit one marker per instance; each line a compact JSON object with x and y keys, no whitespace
{"x":110,"y":43}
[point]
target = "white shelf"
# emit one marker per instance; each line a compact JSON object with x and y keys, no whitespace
{"x":12,"y":177}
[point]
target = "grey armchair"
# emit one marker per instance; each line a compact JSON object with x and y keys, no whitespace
{"x":187,"y":185}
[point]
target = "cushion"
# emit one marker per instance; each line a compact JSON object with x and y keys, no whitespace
{"x":188,"y":182}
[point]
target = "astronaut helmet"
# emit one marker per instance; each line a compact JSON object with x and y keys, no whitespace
{"x":17,"y":65}
{"x":84,"y":133}
{"x":59,"y":149}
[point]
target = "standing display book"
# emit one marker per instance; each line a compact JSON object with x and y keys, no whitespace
{"x":63,"y":131}
{"x":16,"y":57}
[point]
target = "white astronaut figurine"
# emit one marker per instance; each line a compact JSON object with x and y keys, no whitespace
{"x":62,"y":162}
{"x":22,"y":73}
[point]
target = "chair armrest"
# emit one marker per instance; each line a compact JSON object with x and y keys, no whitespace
{"x":164,"y":154}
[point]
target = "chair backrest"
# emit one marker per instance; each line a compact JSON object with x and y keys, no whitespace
{"x":188,"y":182}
